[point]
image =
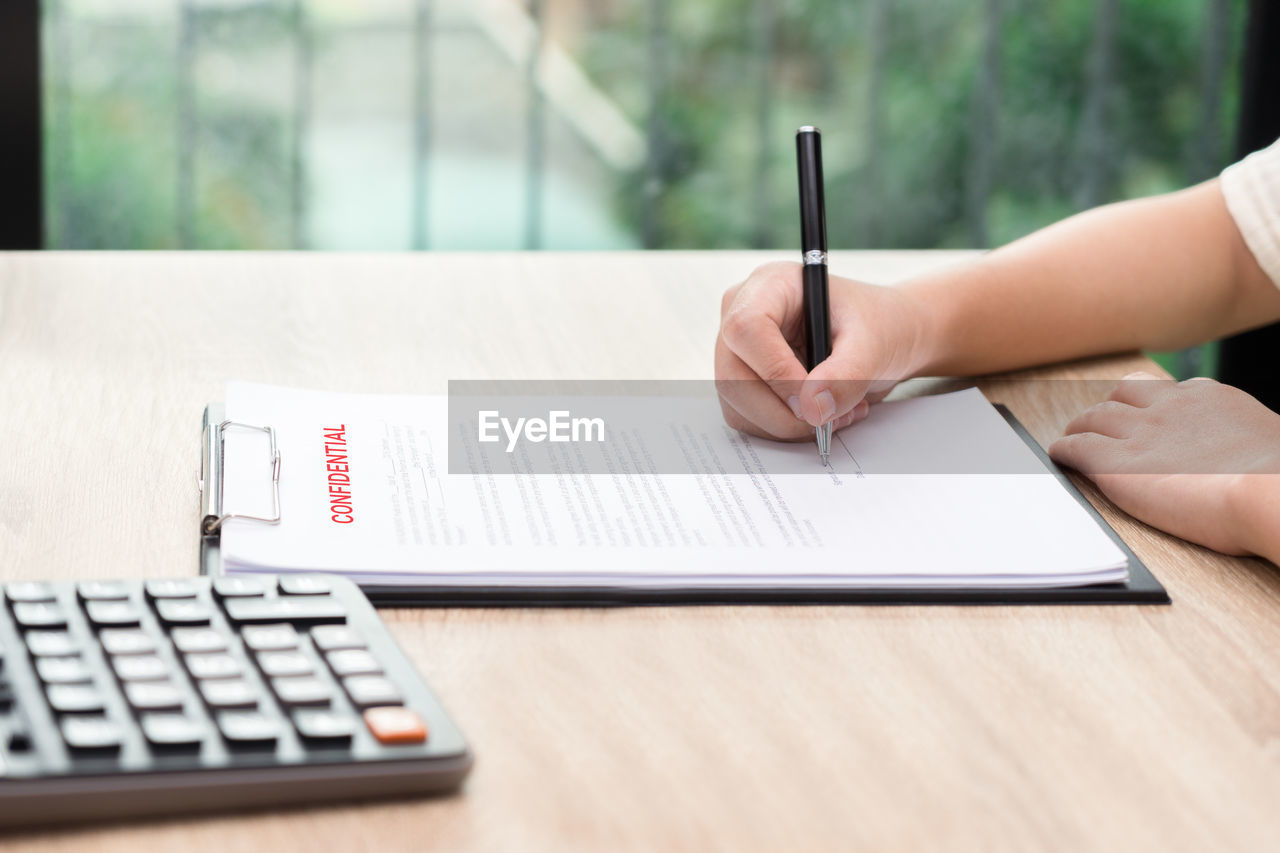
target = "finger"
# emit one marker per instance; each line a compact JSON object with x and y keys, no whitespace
{"x":742,"y":391}
{"x":781,"y":427}
{"x":756,"y":326}
{"x":735,"y":420}
{"x":857,"y":413}
{"x":846,"y":377}
{"x":879,"y":390}
{"x":834,"y":387}
{"x":1112,"y":419}
{"x":1088,"y":452}
{"x":1141,"y":389}
{"x":727,"y":300}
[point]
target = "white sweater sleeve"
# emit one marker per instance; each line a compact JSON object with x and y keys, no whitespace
{"x":1252,"y":191}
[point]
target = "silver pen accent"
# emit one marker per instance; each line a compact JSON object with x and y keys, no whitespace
{"x":823,"y":434}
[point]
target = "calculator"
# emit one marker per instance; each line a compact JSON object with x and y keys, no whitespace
{"x":122,"y":698}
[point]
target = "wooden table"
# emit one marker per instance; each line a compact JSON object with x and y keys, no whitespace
{"x":1001,"y":728}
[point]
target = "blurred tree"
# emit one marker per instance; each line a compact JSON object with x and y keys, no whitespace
{"x":946,"y":124}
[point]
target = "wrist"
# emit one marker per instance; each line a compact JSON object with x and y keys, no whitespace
{"x":1254,"y":502}
{"x":929,"y":298}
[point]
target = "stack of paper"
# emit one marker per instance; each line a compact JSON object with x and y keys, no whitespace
{"x":928,"y":492}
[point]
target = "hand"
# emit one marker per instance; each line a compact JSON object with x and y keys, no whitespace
{"x":763,"y":385}
{"x":1198,"y":459}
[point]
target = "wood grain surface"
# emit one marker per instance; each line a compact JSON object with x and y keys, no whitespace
{"x":802,"y":727}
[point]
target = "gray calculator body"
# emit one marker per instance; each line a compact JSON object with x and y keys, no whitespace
{"x":124,"y":698}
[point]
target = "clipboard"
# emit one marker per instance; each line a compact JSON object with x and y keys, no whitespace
{"x":1141,"y":588}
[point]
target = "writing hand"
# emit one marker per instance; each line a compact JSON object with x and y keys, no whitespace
{"x":763,"y":385}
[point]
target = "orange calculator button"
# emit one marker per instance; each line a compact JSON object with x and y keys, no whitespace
{"x":392,"y":725}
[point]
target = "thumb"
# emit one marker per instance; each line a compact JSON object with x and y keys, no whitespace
{"x":835,"y":386}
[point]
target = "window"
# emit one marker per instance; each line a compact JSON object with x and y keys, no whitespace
{"x":597,"y":124}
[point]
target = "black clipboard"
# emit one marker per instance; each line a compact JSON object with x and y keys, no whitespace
{"x":1141,"y":588}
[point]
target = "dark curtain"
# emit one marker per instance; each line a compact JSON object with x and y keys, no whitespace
{"x":21,"y":211}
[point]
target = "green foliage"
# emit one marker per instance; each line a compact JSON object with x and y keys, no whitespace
{"x":113,"y":171}
{"x":899,"y":141}
{"x":105,"y":192}
{"x":718,"y":86}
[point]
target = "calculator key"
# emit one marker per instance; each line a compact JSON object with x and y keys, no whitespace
{"x":304,"y":585}
{"x":19,"y":739}
{"x":198,"y":640}
{"x":91,"y":734}
{"x":74,"y":698}
{"x":153,"y":696}
{"x":269,"y":638}
{"x":215,"y":665}
{"x":248,"y":728}
{"x":239,"y":587}
{"x":324,"y":728}
{"x":102,"y":590}
{"x":29,"y":591}
{"x":395,"y":725}
{"x":124,"y":641}
{"x":300,"y":610}
{"x":277,"y":664}
{"x":172,"y":588}
{"x":140,"y":668}
{"x":353,"y":662}
{"x":173,"y":730}
{"x":63,"y":671}
{"x":36,"y":614}
{"x":183,"y":612}
{"x":229,"y":694}
{"x":369,"y":690}
{"x":51,"y":644}
{"x":333,"y":637}
{"x":293,"y":692}
{"x":112,"y":614}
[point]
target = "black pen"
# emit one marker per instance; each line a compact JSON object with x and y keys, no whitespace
{"x":813,"y":245}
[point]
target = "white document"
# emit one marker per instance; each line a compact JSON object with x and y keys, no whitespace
{"x":365,"y":490}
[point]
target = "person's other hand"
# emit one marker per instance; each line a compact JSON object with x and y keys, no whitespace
{"x":760,"y":375}
{"x":1182,"y":456}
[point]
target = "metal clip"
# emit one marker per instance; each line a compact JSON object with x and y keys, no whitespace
{"x":213,"y":476}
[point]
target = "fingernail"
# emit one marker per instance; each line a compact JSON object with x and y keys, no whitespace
{"x":826,"y":406}
{"x":1141,"y":374}
{"x":794,"y":402}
